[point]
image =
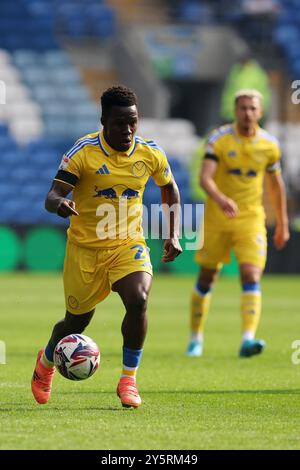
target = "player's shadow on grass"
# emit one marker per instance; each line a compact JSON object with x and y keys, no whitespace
{"x":191,"y":392}
{"x":88,"y":392}
{"x":195,"y":392}
{"x":225,"y":392}
{"x":50,"y":409}
{"x":86,"y":408}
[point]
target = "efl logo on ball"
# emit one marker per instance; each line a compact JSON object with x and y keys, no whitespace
{"x":76,"y":357}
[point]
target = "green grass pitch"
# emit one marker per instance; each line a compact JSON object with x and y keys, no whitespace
{"x":215,"y":402}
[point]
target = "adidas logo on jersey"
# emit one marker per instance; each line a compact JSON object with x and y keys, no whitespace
{"x":103,"y":170}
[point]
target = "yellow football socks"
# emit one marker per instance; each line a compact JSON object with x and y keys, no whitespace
{"x":127,"y":372}
{"x":250,"y":309}
{"x":199,"y":311}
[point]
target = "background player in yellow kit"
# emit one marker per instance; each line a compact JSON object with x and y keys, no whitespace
{"x":237,"y":158}
{"x":107,"y":172}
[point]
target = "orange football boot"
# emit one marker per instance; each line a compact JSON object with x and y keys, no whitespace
{"x":128,"y":393}
{"x":41,"y":382}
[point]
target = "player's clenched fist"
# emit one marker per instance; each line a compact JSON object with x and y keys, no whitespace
{"x":172,"y":249}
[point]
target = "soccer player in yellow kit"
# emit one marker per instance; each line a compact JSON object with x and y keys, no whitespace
{"x":106,"y":251}
{"x":237,"y":158}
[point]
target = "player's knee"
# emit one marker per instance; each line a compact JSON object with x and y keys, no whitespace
{"x":250,"y":274}
{"x":207,"y":284}
{"x":137,"y":303}
{"x":207,"y":278}
{"x":251,"y":277}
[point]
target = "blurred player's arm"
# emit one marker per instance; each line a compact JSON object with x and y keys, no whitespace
{"x":57,"y":202}
{"x":208,"y":171}
{"x":170,"y":198}
{"x":277,"y":193}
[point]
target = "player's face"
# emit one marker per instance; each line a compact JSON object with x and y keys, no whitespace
{"x":120,"y":126}
{"x":248,"y":112}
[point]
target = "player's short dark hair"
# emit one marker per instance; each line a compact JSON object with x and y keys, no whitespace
{"x":117,"y":96}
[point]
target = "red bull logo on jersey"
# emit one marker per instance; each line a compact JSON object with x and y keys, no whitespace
{"x":239,"y":172}
{"x":119,"y":191}
{"x":130,"y":193}
{"x":108,"y":193}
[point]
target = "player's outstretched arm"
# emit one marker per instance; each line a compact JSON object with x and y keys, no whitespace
{"x":276,"y":189}
{"x":171,"y":203}
{"x":57,"y":202}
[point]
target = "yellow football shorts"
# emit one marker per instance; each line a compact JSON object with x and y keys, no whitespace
{"x":249,"y":245}
{"x":89,"y":274}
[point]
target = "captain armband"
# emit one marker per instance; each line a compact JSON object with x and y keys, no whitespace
{"x":66,"y":177}
{"x":211,"y":156}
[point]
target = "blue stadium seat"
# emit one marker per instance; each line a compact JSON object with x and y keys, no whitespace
{"x":41,"y":8}
{"x":182,"y":180}
{"x":7,"y":190}
{"x":40,"y":215}
{"x":185,"y":195}
{"x":7,"y":144}
{"x":152,"y":194}
{"x":174,"y":164}
{"x":3,"y":131}
{"x":285,"y":34}
{"x":14,"y":41}
{"x":195,"y":12}
{"x":23,"y":175}
{"x":86,"y":108}
{"x":81,"y":127}
{"x":56,"y":110}
{"x":11,"y":158}
{"x":75,"y":28}
{"x":36,"y":145}
{"x":35,"y":75}
{"x":46,"y":175}
{"x":292,"y":51}
{"x":8,"y":8}
{"x":102,"y":21}
{"x":57,"y":127}
{"x":75,"y":93}
{"x":10,"y":211}
{"x":25,"y":58}
{"x":5,"y":174}
{"x":65,"y":75}
{"x":27,"y":29}
{"x":45,"y":93}
{"x":296,"y":69}
{"x":56,"y":58}
{"x":43,"y":43}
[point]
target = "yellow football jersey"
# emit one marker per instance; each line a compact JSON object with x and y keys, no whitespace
{"x":108,"y":188}
{"x":242,"y":163}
